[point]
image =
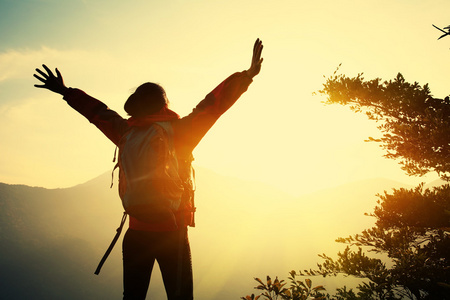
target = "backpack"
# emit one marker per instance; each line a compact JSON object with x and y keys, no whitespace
{"x":154,"y":182}
{"x":149,"y":184}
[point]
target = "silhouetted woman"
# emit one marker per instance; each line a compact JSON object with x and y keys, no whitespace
{"x":159,"y":240}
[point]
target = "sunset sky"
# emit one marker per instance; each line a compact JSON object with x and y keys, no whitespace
{"x":278,"y":132}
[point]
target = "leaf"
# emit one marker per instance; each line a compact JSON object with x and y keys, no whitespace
{"x":319,"y":288}
{"x":371,"y":139}
{"x":308,"y":282}
{"x":300,"y":283}
{"x":252,"y":297}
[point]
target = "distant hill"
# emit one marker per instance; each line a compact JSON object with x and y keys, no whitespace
{"x":52,"y":240}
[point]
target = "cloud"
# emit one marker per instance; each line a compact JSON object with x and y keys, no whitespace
{"x":94,"y":71}
{"x":16,"y":63}
{"x":17,"y":67}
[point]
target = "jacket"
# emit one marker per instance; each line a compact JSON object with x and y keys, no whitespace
{"x":187,"y":131}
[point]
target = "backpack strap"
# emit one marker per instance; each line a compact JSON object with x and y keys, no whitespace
{"x":111,"y":246}
{"x":115,"y":167}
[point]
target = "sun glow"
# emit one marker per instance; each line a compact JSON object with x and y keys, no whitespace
{"x":261,"y":161}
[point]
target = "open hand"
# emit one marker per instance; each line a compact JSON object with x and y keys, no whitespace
{"x":51,"y":82}
{"x":256,"y":59}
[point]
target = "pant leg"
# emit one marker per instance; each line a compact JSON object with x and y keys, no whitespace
{"x":176,"y":265}
{"x":138,"y":261}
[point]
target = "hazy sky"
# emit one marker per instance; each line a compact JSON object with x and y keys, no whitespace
{"x":278,"y":132}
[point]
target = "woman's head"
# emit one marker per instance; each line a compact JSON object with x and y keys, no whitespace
{"x":148,"y":99}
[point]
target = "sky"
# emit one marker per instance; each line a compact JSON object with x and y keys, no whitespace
{"x":278,"y":133}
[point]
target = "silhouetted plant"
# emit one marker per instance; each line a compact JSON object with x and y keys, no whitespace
{"x":412,"y":225}
{"x":273,"y":290}
{"x":412,"y":228}
{"x":415,"y":125}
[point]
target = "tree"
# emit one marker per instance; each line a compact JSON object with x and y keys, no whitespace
{"x":415,"y":125}
{"x":276,"y":290}
{"x":412,"y":229}
{"x":412,"y":225}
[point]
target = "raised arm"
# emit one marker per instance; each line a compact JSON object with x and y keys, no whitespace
{"x":51,"y":82}
{"x":192,"y":128}
{"x":108,"y":121}
{"x":256,"y":59}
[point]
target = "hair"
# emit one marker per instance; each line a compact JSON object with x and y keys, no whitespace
{"x":146,"y":100}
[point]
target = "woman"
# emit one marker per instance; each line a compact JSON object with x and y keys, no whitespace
{"x":162,"y":239}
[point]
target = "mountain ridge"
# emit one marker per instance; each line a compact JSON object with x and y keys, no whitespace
{"x":52,"y":239}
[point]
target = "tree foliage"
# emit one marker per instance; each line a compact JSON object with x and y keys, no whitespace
{"x":415,"y":125}
{"x":412,"y":226}
{"x":412,"y":229}
{"x":277,"y":290}
{"x":409,"y":245}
